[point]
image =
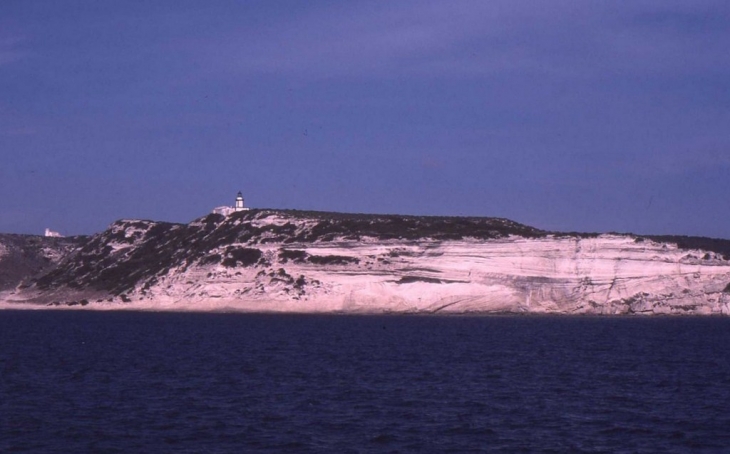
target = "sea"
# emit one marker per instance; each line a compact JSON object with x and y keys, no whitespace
{"x":145,"y":382}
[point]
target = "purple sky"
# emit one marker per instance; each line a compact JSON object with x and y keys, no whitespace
{"x":565,"y":115}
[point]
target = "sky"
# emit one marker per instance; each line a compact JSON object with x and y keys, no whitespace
{"x":597,"y":116}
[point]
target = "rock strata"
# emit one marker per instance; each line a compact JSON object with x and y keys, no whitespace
{"x":293,"y":261}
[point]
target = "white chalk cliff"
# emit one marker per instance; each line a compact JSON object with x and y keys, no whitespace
{"x":287,"y":261}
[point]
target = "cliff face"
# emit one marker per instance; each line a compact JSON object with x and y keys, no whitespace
{"x":265,"y":260}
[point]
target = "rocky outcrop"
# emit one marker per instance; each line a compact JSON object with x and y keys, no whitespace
{"x":22,"y":256}
{"x":290,"y":261}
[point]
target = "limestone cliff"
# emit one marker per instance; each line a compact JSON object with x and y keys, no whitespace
{"x":276,"y":260}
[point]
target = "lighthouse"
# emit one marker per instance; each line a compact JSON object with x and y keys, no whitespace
{"x":239,"y":203}
{"x":237,"y":206}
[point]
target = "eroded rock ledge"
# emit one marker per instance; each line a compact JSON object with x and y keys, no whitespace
{"x":292,"y":261}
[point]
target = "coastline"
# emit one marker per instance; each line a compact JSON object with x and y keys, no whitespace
{"x":268,"y":261}
{"x":318,"y":308}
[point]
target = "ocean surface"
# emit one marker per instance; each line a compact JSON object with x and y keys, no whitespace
{"x":106,"y":382}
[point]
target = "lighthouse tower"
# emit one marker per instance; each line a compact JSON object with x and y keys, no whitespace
{"x":239,"y":203}
{"x":237,"y":206}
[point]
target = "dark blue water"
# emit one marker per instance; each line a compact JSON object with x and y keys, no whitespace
{"x":146,"y":382}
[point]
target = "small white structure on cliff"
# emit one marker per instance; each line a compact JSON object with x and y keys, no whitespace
{"x":238,"y":206}
{"x":53,"y":234}
{"x":239,"y":203}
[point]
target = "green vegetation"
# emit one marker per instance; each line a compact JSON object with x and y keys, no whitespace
{"x":241,"y":256}
{"x":294,"y":255}
{"x":719,"y":246}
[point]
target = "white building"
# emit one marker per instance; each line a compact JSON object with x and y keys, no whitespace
{"x":53,"y":234}
{"x":237,"y":206}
